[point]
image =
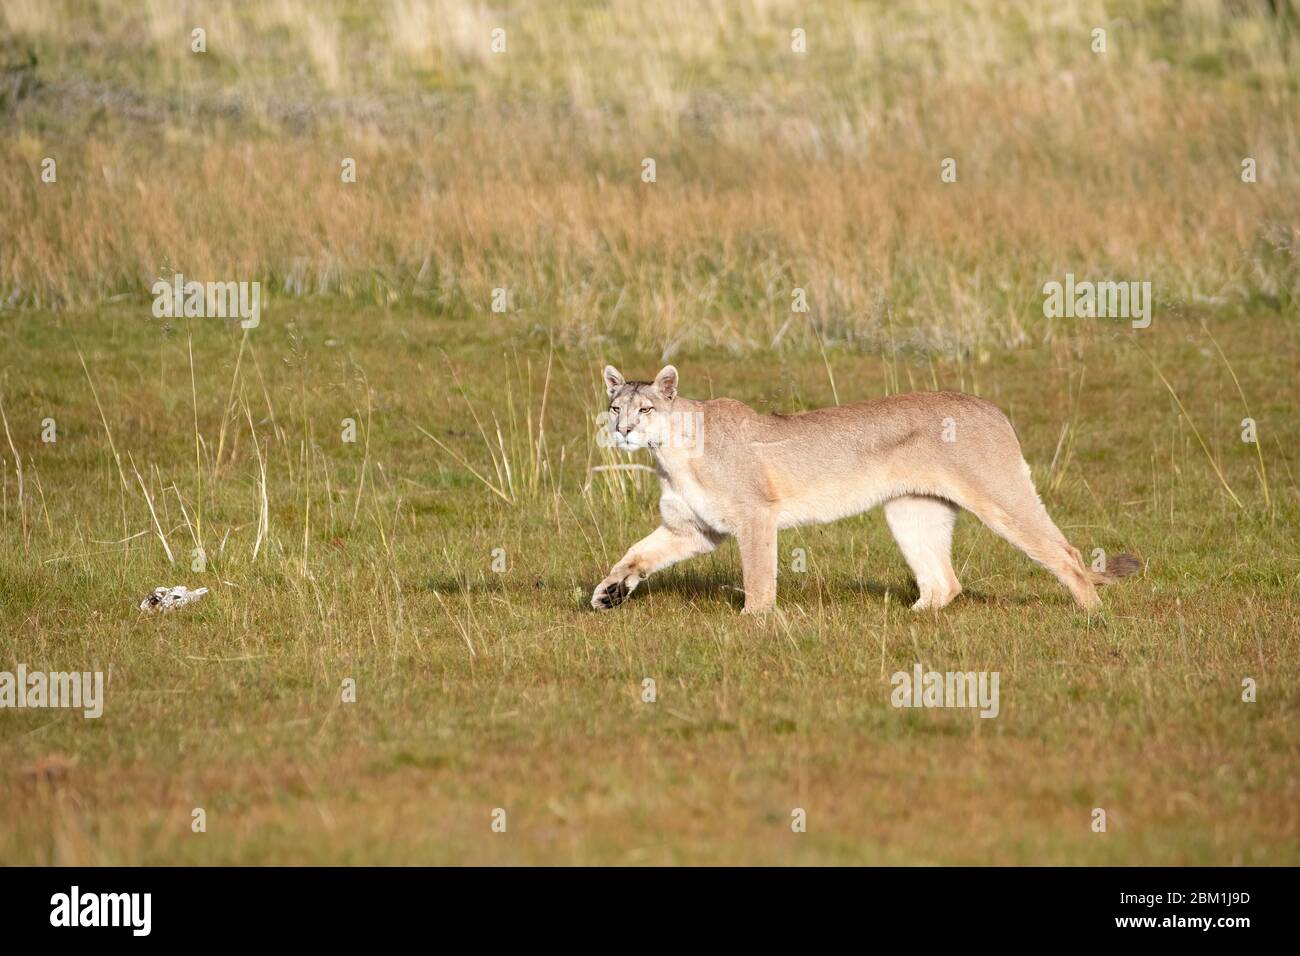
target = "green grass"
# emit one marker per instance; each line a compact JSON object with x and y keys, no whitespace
{"x":478,"y":690}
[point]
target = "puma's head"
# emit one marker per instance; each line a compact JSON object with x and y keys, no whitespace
{"x":639,"y":412}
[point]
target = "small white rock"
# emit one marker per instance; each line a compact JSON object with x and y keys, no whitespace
{"x":166,"y":599}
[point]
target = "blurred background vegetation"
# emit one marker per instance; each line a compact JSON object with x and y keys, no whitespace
{"x":775,"y":169}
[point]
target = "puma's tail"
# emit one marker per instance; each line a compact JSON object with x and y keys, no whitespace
{"x":1118,"y":567}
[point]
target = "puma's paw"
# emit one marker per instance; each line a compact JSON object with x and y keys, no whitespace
{"x":612,"y":592}
{"x":935,"y":600}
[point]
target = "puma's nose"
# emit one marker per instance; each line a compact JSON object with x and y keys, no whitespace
{"x":624,"y":429}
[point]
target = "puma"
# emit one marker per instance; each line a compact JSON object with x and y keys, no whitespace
{"x":727,"y":470}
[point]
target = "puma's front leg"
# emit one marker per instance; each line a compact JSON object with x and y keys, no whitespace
{"x":657,"y":550}
{"x":757,"y":541}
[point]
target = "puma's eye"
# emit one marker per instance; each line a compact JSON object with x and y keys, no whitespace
{"x":647,"y":410}
{"x":614,"y":409}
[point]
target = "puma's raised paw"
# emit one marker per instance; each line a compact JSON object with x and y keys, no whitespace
{"x":613,"y":592}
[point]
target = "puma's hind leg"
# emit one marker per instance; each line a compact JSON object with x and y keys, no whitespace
{"x":922,"y":526}
{"x":1012,"y":509}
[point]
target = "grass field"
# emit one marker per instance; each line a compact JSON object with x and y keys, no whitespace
{"x":379,"y":561}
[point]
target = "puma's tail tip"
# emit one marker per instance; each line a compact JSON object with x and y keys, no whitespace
{"x":1118,"y":567}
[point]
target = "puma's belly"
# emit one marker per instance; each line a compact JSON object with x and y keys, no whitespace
{"x":805,"y":496}
{"x":832,"y":498}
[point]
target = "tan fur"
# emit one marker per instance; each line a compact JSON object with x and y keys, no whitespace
{"x":747,"y":475}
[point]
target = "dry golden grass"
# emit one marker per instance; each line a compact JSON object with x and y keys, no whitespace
{"x":775,"y":171}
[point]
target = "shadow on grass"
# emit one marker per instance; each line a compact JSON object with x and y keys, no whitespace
{"x":692,"y":588}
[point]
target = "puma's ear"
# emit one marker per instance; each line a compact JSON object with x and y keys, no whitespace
{"x":666,"y":382}
{"x":613,"y":380}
